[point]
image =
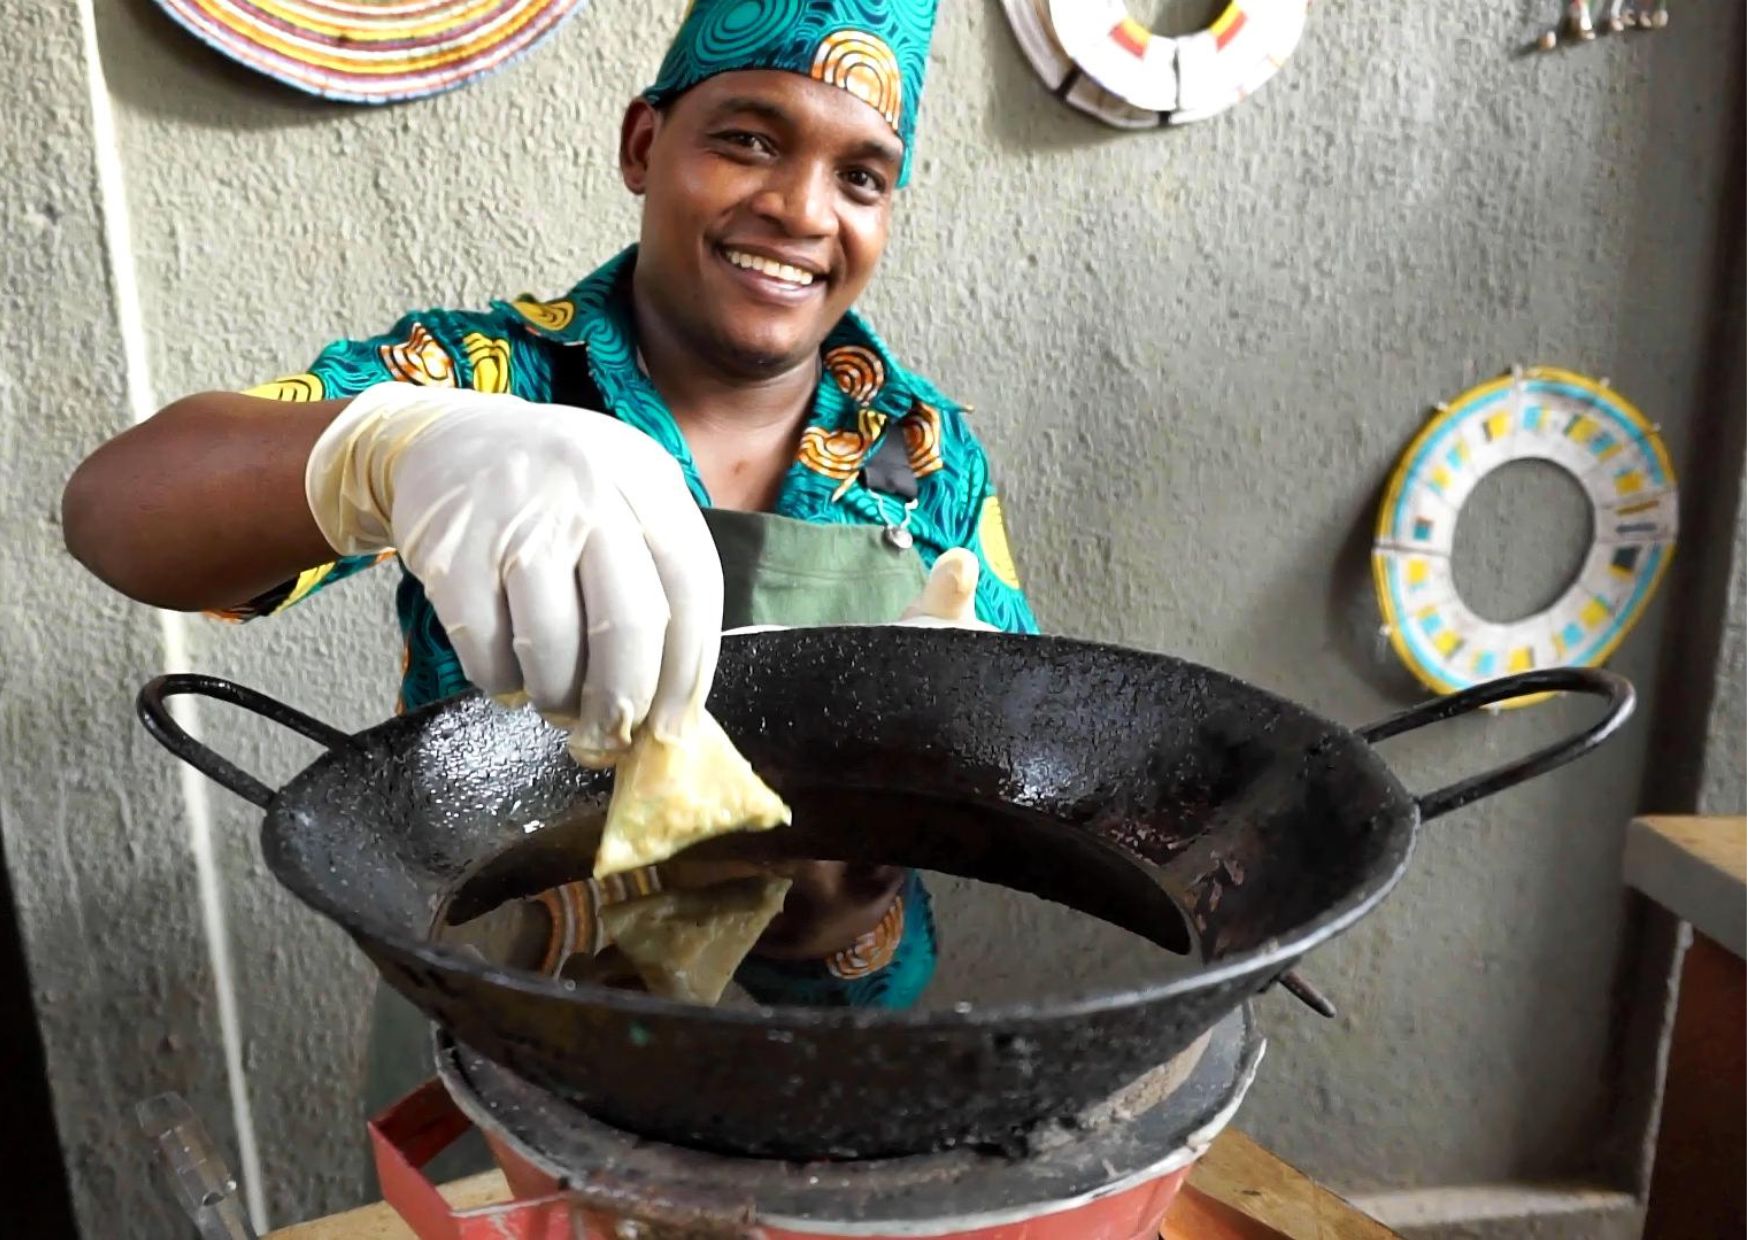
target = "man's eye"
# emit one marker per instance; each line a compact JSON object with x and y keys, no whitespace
{"x":866,"y":181}
{"x":746,"y":140}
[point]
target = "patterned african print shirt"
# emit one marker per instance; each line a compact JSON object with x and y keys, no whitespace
{"x":523,"y":347}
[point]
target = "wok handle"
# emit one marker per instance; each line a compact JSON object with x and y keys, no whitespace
{"x":154,"y":709}
{"x":1594,"y":681}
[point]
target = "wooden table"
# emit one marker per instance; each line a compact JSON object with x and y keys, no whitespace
{"x":1694,"y":868}
{"x":1239,"y":1191}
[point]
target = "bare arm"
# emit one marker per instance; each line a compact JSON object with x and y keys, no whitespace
{"x":202,"y":506}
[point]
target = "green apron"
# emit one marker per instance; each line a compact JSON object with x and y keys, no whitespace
{"x":775,"y":570}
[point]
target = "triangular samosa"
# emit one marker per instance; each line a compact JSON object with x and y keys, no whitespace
{"x":687,"y":944}
{"x":669,"y":794}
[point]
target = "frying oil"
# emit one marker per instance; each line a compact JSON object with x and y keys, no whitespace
{"x":871,"y":899}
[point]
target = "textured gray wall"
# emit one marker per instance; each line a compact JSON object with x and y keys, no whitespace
{"x":1721,"y":790}
{"x":1196,"y":356}
{"x":94,"y":831}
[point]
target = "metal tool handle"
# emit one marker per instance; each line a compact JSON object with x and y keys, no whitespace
{"x":205,"y":1187}
{"x":154,"y":710}
{"x":1594,"y":681}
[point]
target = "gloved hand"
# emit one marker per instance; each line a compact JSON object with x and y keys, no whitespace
{"x":560,"y":548}
{"x":949,"y":597}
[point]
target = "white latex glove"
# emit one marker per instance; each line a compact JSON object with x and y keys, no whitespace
{"x":560,"y":548}
{"x":948,"y":599}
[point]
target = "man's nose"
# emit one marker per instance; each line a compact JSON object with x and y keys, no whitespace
{"x":800,"y":198}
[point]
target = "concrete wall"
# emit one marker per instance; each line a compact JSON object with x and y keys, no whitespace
{"x":1721,"y":793}
{"x":1196,"y":355}
{"x":95,"y":834}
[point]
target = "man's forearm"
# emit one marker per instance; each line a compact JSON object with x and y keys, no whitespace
{"x":202,"y":506}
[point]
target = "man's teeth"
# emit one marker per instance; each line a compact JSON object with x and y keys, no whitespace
{"x":770,"y":267}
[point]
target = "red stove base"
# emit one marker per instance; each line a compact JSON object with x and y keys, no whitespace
{"x":574,"y":1178}
{"x":423,"y":1124}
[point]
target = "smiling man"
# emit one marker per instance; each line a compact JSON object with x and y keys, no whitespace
{"x":582,"y":493}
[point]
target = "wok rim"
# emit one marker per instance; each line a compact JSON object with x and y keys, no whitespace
{"x":373,"y":936}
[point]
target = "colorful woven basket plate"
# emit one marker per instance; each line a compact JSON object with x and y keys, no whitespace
{"x":372,"y":51}
{"x":1568,"y":420}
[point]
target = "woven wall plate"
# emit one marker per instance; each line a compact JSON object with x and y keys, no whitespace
{"x":1095,"y":55}
{"x":1593,"y":433}
{"x":372,"y":51}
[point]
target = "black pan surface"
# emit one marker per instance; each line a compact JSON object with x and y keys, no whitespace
{"x":1275,"y":829}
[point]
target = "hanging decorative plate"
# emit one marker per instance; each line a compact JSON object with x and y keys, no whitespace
{"x":1104,"y":62}
{"x":372,"y":51}
{"x":1037,"y":37}
{"x":1585,"y":428}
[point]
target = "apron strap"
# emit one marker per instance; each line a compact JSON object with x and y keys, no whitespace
{"x":572,"y":384}
{"x":888,"y":470}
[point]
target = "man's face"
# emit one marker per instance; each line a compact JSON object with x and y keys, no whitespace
{"x":767,"y":198}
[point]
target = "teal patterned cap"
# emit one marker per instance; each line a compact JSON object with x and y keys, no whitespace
{"x":878,"y":50}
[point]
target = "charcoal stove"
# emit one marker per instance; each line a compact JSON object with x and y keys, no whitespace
{"x":1110,"y":1174}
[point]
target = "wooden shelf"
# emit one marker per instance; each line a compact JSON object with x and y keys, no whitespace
{"x":1694,"y":867}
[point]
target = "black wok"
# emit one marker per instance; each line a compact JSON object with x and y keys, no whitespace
{"x":1276,"y":829}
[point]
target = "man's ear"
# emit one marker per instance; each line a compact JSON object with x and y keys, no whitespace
{"x":636,"y":135}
